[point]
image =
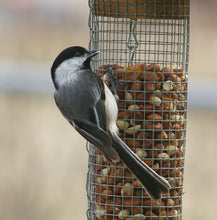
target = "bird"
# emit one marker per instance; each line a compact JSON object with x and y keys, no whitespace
{"x":90,"y":107}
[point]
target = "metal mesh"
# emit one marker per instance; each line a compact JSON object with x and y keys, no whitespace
{"x":149,"y":53}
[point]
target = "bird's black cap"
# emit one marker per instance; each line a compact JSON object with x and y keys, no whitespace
{"x":66,"y":54}
{"x":69,"y":53}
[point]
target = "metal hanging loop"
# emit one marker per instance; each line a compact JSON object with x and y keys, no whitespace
{"x":132,"y":47}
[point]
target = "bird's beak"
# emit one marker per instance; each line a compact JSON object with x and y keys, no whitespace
{"x":93,"y":53}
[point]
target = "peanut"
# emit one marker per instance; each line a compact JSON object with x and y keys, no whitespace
{"x":151,"y":118}
{"x":138,"y":217}
{"x":133,"y":130}
{"x":127,"y":189}
{"x":122,"y":124}
{"x":123,"y":214}
{"x":153,"y":68}
{"x":107,"y":193}
{"x":131,"y":201}
{"x":154,"y":116}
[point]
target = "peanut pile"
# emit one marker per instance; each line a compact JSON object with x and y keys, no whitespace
{"x":152,"y":120}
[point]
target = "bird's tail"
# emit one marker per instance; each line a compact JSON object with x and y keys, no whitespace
{"x":153,"y":183}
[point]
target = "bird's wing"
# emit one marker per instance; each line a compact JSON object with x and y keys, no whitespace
{"x":83,"y":97}
{"x":96,"y":136}
{"x":82,"y":104}
{"x":97,"y":113}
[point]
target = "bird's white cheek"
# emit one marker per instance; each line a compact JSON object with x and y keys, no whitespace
{"x":67,"y":70}
{"x":111,"y":110}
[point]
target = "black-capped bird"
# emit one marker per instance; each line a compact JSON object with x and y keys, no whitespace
{"x":90,"y":107}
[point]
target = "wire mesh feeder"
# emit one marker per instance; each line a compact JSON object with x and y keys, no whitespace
{"x":146,"y":44}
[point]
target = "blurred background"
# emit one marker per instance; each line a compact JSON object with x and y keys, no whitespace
{"x":43,"y":162}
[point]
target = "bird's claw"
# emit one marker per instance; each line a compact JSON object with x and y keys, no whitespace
{"x":109,"y":70}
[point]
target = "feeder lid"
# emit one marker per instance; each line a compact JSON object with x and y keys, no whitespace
{"x":150,"y":9}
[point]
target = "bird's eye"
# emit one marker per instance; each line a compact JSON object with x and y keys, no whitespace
{"x":77,"y":54}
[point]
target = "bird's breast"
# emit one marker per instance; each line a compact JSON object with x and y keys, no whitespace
{"x":111,"y":109}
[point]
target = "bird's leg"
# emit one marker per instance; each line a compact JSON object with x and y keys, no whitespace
{"x":110,"y":70}
{"x":113,"y":80}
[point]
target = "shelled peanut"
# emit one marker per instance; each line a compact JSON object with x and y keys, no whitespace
{"x":151,"y":120}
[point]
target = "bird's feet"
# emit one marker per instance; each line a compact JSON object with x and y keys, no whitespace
{"x":114,"y":80}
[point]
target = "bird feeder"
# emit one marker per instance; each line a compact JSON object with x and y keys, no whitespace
{"x":145,"y":43}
